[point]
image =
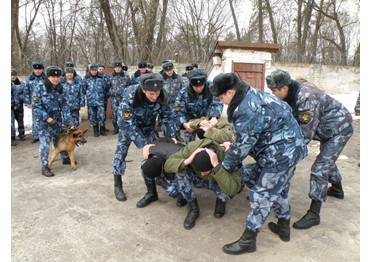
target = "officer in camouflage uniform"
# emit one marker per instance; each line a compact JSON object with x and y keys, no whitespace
{"x":197,"y":165}
{"x":36,"y":78}
{"x":52,"y":113}
{"x":267,"y":131}
{"x":195,"y":101}
{"x":77,"y":77}
{"x":101,"y":71}
{"x":13,"y":104}
{"x":137,"y":114}
{"x":119,"y":80}
{"x":95,"y":88}
{"x":142,"y":69}
{"x":19,"y":87}
{"x":321,"y":118}
{"x":73,"y":90}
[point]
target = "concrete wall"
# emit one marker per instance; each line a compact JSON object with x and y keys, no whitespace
{"x":330,"y":78}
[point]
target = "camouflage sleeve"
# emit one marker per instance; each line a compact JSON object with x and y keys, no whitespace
{"x":308,"y":116}
{"x":67,"y":119}
{"x":180,"y":108}
{"x":247,"y":130}
{"x":82,"y":96}
{"x":215,"y":108}
{"x":27,"y":93}
{"x":168,"y":120}
{"x":40,"y":112}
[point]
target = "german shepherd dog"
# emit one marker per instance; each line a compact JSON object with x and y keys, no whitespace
{"x":68,"y":140}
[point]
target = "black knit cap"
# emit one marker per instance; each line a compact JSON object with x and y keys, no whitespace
{"x":202,"y":162}
{"x":152,"y":167}
{"x":223,"y":82}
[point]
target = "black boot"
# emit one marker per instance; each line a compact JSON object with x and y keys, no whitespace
{"x":116,"y":129}
{"x":336,"y":190}
{"x":181,"y":201}
{"x":102,"y":131}
{"x":247,"y":243}
{"x":150,"y":196}
{"x":161,"y":182}
{"x":219,"y":209}
{"x":119,"y":193}
{"x":105,"y":129}
{"x":192,"y":215}
{"x":311,"y":218}
{"x":45,"y":171}
{"x":13,"y":142}
{"x":96,"y":131}
{"x":282,"y":229}
{"x":34,"y":140}
{"x":67,"y":161}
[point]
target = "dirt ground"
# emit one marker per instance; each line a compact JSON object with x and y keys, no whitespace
{"x":74,"y":215}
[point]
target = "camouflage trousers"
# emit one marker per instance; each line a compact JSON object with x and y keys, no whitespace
{"x":12,"y":125}
{"x":97,"y":115}
{"x":46,"y":137}
{"x":121,"y":152}
{"x":268,"y":190}
{"x":18,"y":116}
{"x":35,"y":126}
{"x":115,"y":102}
{"x":189,"y":137}
{"x":189,"y":180}
{"x":75,"y":115}
{"x":324,"y":170}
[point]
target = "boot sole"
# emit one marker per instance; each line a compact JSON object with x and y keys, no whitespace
{"x":239,"y":253}
{"x":297,"y":227}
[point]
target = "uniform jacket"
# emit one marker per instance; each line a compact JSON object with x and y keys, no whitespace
{"x":74,"y":94}
{"x":19,"y":88}
{"x":173,"y":85}
{"x":50,"y":102}
{"x":135,"y":78}
{"x":32,"y":81}
{"x":229,"y":181}
{"x":190,"y":105}
{"x":265,"y":129}
{"x":319,"y":115}
{"x":118,"y":82}
{"x":95,"y":88}
{"x":137,"y":116}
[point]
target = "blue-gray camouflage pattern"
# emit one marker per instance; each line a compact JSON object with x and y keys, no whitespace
{"x":135,"y":78}
{"x":267,"y":190}
{"x":266,"y":130}
{"x":17,"y":107}
{"x":173,"y":85}
{"x":31,"y":82}
{"x":50,"y":102}
{"x":190,"y":105}
{"x":118,"y":82}
{"x":188,"y":180}
{"x":136,"y":122}
{"x":96,"y":90}
{"x":75,"y":98}
{"x":321,"y":118}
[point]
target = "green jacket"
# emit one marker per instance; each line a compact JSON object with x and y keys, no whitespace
{"x":229,"y":182}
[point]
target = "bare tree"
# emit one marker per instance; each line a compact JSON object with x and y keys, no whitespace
{"x":235,"y":20}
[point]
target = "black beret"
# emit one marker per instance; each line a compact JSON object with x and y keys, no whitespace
{"x":69,"y":69}
{"x":142,"y":64}
{"x":53,"y":71}
{"x":167,"y":66}
{"x":223,"y":82}
{"x":37,"y":65}
{"x":13,"y":72}
{"x":197,"y":77}
{"x":202,"y":162}
{"x":94,"y":66}
{"x":189,"y":68}
{"x":125,"y":68}
{"x":152,"y":81}
{"x":149,"y":65}
{"x":117,"y":63}
{"x":70,"y":64}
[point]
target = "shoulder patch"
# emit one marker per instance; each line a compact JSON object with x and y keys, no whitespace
{"x":233,"y":137}
{"x":35,"y":98}
{"x":304,"y":117}
{"x":178,"y":108}
{"x":126,"y":115}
